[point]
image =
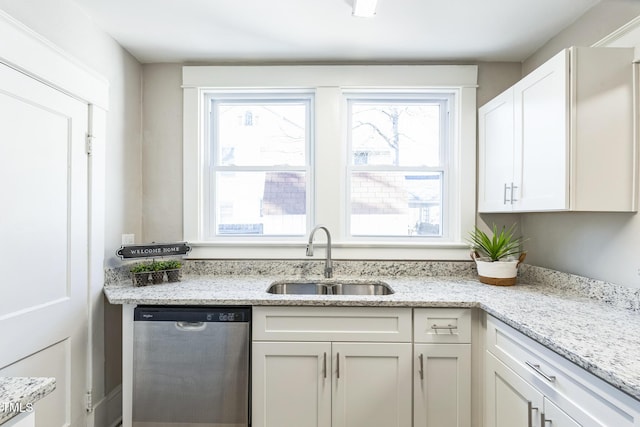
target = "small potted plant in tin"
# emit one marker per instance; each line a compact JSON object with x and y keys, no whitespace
{"x":141,"y":273}
{"x":172,"y":268}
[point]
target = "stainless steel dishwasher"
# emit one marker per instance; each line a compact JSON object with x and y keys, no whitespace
{"x":191,"y":366}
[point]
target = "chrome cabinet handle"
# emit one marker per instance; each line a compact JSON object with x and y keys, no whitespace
{"x":449,"y":328}
{"x":513,"y":187}
{"x":544,"y":421}
{"x":504,"y":194}
{"x":324,"y":365}
{"x":530,"y":409}
{"x":338,"y":365}
{"x":421,"y":370}
{"x":538,"y":370}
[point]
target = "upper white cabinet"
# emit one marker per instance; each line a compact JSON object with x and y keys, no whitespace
{"x":562,"y":138}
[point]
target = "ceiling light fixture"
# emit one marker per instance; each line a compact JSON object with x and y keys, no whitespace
{"x":364,"y":8}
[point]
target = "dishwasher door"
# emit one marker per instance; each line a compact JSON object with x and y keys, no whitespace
{"x":191,"y":366}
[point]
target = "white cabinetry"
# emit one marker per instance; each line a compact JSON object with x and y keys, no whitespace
{"x":331,"y":366}
{"x":562,"y":138}
{"x":528,"y":385}
{"x":442,"y":373}
{"x":22,"y":420}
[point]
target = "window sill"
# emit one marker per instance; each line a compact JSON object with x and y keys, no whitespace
{"x":340,"y":250}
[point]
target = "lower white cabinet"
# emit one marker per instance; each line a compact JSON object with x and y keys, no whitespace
{"x":291,"y":384}
{"x":442,"y":367}
{"x":556,"y":417}
{"x":26,"y":419}
{"x":442,"y":385}
{"x":513,"y":402}
{"x":305,"y":384}
{"x":528,"y":385}
{"x":510,"y":400}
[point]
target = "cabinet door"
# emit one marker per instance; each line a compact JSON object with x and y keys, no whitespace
{"x":442,"y":385}
{"x":541,"y":105}
{"x":291,"y":384}
{"x":495,"y":161}
{"x":510,"y":400}
{"x":555,"y":417}
{"x":371,"y":385}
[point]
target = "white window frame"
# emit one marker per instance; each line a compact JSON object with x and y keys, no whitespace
{"x":447,"y":146}
{"x":211,"y":167}
{"x":329,"y":84}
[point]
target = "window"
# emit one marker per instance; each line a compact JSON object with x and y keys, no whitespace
{"x":384,"y":156}
{"x":259,"y":169}
{"x":397,"y":175}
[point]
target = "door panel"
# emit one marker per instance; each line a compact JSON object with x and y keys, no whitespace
{"x":44,"y":230}
{"x":371,"y":384}
{"x":291,"y":384}
{"x":496,"y":148}
{"x":510,"y":401}
{"x":542,"y":155}
{"x":442,"y":385}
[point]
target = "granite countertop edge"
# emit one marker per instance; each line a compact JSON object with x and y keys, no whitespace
{"x":18,"y":394}
{"x":590,"y":337}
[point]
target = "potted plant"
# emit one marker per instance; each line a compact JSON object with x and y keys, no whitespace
{"x":141,"y":274}
{"x":497,"y":257}
{"x":172,"y":268}
{"x":157,"y":271}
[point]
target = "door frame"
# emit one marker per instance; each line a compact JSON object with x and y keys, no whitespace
{"x":37,"y":57}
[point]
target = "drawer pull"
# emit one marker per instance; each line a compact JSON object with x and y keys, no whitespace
{"x":537,"y":369}
{"x":449,"y":328}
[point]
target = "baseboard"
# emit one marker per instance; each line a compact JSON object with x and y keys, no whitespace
{"x":107,"y":412}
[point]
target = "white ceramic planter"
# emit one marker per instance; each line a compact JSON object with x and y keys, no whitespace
{"x":502,"y":273}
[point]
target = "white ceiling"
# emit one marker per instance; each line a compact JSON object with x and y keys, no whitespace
{"x":324,"y":30}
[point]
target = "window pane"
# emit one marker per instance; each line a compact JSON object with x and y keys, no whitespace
{"x":395,"y":134}
{"x":396,"y":204}
{"x":261,"y":203}
{"x":261,"y":133}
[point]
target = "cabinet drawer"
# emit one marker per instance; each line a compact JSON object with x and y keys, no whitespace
{"x":442,"y":325}
{"x":584,"y":397}
{"x":379,"y":324}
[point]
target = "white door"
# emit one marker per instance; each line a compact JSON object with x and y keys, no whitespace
{"x":495,"y":154}
{"x":510,"y":400}
{"x":371,"y":385}
{"x":541,"y":128}
{"x":291,"y":384}
{"x":442,"y":385}
{"x":43,"y":230}
{"x":556,"y":417}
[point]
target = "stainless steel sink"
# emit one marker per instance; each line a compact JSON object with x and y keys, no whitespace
{"x":333,"y":287}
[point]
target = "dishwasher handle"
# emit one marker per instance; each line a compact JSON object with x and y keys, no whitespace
{"x":190,"y":326}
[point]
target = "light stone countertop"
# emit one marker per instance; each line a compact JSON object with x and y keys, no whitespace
{"x":594,"y":324}
{"x":18,"y":394}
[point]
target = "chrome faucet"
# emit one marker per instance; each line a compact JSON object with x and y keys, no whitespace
{"x":328,"y":265}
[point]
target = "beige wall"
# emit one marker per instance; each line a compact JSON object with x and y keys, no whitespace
{"x":603,"y":246}
{"x":64,"y":24}
{"x":594,"y":25}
